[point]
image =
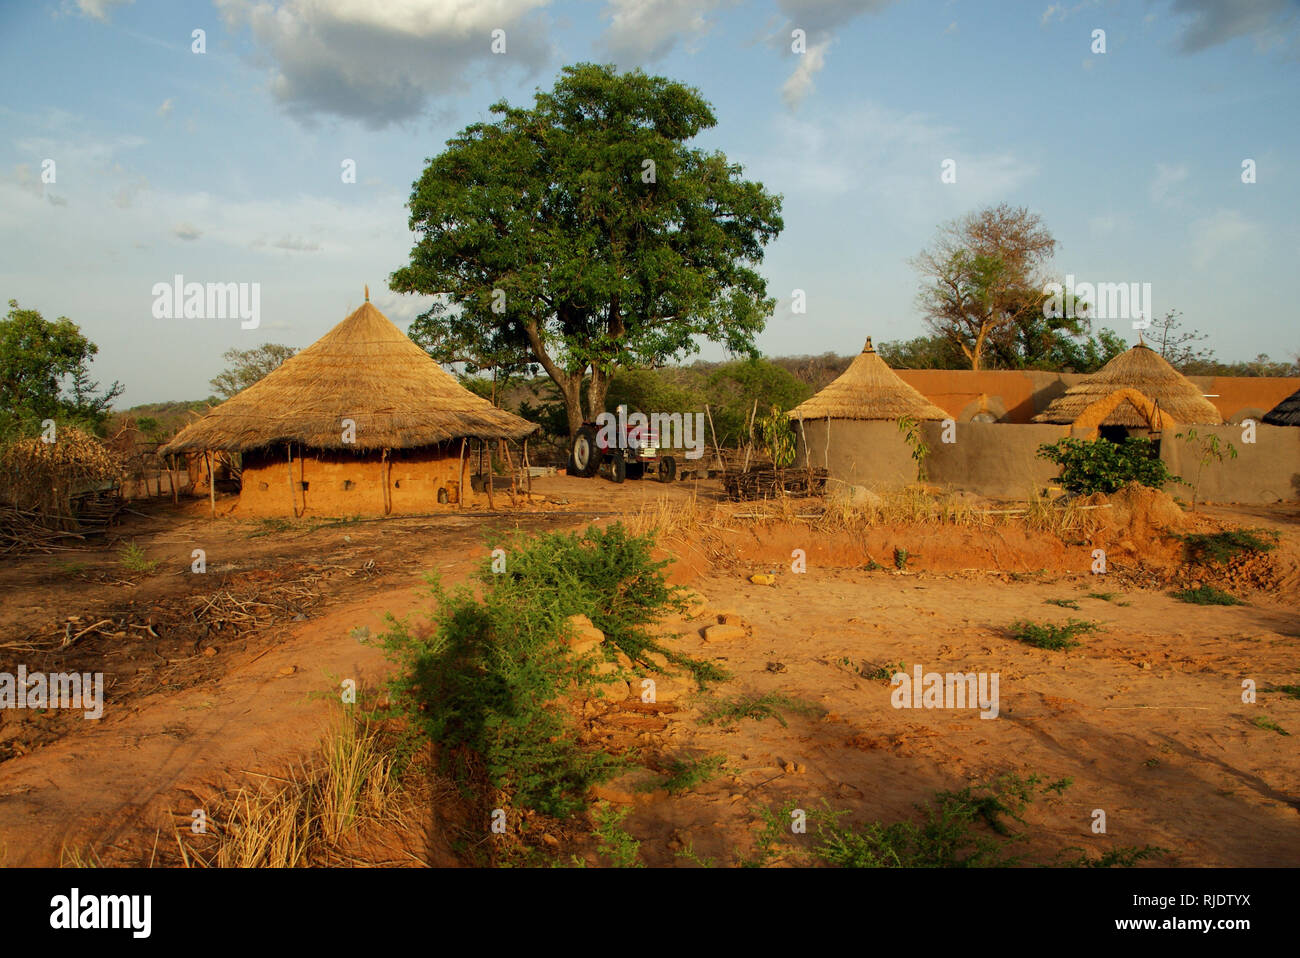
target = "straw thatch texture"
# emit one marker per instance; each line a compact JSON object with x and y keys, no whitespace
{"x":1285,"y":413}
{"x":366,"y":370}
{"x":1103,"y":410}
{"x":1145,"y":370}
{"x":868,"y":389}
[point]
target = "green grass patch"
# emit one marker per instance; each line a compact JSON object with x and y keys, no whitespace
{"x":1206,"y":595}
{"x":979,"y":826}
{"x":882,"y":673}
{"x":1063,"y":603}
{"x":1216,"y":548}
{"x":1045,"y":635}
{"x":682,"y":776}
{"x":1269,"y":725}
{"x":757,"y":707}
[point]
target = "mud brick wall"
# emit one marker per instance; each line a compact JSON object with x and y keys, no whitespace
{"x":347,"y":484}
{"x":1016,"y":396}
{"x":994,"y":459}
{"x":1265,"y":471}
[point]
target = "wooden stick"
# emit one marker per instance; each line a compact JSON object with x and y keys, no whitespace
{"x":717,"y":450}
{"x":293,"y":499}
{"x":528,"y":470}
{"x":488,"y":478}
{"x":460,"y":476}
{"x":385,"y":473}
{"x":505,"y":447}
{"x":171,"y":481}
{"x":212,"y":484}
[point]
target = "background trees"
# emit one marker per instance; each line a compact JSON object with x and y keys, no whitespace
{"x":45,"y":374}
{"x":247,"y":366}
{"x":585,"y":235}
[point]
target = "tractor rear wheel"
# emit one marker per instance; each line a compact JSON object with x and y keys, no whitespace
{"x":584,"y":457}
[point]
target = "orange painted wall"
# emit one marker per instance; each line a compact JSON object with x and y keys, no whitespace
{"x":347,"y":484}
{"x":1025,"y":394}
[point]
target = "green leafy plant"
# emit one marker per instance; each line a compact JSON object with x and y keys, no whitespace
{"x":613,"y":842}
{"x":133,"y":558}
{"x":1206,"y":595}
{"x":1103,"y":466}
{"x":1216,"y":548}
{"x":911,"y":430}
{"x":778,"y":437}
{"x":485,"y":677}
{"x":883,"y":673}
{"x":1063,"y":603}
{"x":1208,"y":450}
{"x":1045,"y":635}
{"x":900,"y":558}
{"x":1104,"y":596}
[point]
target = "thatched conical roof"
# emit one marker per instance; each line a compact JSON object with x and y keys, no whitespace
{"x":364,"y":369}
{"x":1145,"y":370}
{"x":868,"y":389}
{"x":1285,"y":413}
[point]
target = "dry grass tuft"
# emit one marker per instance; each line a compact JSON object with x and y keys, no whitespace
{"x":303,"y":820}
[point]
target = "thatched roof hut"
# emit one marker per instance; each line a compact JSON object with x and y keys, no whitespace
{"x":1102,"y":411}
{"x":364,"y":370}
{"x":868,"y":389}
{"x":1142,"y":369}
{"x":1285,"y":413}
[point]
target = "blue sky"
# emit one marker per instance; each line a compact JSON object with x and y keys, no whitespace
{"x":225,"y":166}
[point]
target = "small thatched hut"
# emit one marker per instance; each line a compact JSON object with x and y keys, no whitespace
{"x":1141,"y":369}
{"x":362,"y":422}
{"x":1285,"y":413}
{"x":867,"y":390}
{"x":851,"y":428}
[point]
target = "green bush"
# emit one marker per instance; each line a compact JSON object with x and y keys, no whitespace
{"x":1104,"y":466}
{"x":485,"y":675}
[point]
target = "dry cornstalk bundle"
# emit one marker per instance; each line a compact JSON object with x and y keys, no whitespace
{"x":42,"y":479}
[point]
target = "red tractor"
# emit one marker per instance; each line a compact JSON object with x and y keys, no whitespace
{"x":635,"y":452}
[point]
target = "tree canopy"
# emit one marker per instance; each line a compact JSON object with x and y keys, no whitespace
{"x":583,"y":234}
{"x":45,"y":374}
{"x":247,"y":366}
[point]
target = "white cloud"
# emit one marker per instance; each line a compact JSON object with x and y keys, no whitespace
{"x":642,"y":31}
{"x":165,"y":110}
{"x":99,"y":9}
{"x":819,"y":19}
{"x":800,"y":83}
{"x":1163,"y":187}
{"x":186,"y":232}
{"x":380,"y":63}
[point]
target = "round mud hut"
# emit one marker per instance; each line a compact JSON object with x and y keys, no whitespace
{"x":1136,"y":393}
{"x":362,"y":422}
{"x":851,"y":428}
{"x":1285,"y":413}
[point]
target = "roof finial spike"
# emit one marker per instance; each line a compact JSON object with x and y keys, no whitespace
{"x":367,"y":292}
{"x":868,"y":348}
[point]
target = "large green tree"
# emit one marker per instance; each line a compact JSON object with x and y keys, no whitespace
{"x":584,"y":234}
{"x":247,"y":366}
{"x":45,"y":374}
{"x":980,"y":278}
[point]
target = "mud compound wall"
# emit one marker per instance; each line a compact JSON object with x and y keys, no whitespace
{"x":863,"y":453}
{"x":1016,"y":396}
{"x":347,"y":484}
{"x":1265,"y":471}
{"x":994,"y":459}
